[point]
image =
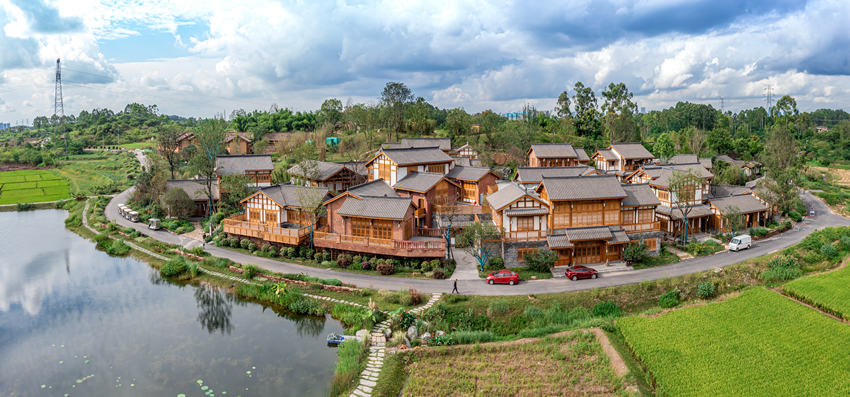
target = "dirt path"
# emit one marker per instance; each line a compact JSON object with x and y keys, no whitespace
{"x":617,"y":363}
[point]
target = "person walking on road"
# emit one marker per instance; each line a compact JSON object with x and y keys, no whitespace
{"x":454,"y":290}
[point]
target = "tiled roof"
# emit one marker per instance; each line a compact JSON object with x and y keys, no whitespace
{"x":697,"y":211}
{"x":195,"y":188}
{"x":419,"y":181}
{"x":746,"y":203}
{"x":409,"y":156}
{"x":359,"y":167}
{"x":294,"y":195}
{"x":581,"y":154}
{"x":376,"y":207}
{"x":506,"y":194}
{"x":582,"y":188}
{"x":639,"y":195}
{"x":663,"y":174}
{"x":729,"y":190}
{"x":589,"y":233}
{"x":706,"y":162}
{"x":726,"y":159}
{"x":468,"y":173}
{"x":442,"y":143}
{"x":526,"y":211}
{"x":466,"y":162}
{"x":553,"y":150}
{"x":558,"y":241}
{"x":619,"y":236}
{"x":318,"y":170}
{"x":632,"y":150}
{"x":684,"y":159}
{"x":376,"y":188}
{"x":607,"y":154}
{"x":536,"y":174}
{"x":238,"y":164}
{"x":233,"y":135}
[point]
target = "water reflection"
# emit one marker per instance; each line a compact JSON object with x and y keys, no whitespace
{"x":214,"y":308}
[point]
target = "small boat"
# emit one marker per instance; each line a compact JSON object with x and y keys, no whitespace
{"x":334,"y":339}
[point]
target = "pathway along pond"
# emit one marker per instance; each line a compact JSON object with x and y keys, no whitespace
{"x":77,"y":322}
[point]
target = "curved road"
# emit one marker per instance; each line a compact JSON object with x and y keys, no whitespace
{"x":823,"y":218}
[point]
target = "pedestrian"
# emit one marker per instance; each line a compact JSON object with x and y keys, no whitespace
{"x":454,"y":290}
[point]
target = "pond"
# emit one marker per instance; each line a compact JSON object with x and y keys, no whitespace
{"x":77,"y":322}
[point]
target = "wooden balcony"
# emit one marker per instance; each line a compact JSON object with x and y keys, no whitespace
{"x":239,"y":226}
{"x":430,"y":232}
{"x":462,"y":209}
{"x":524,"y":235}
{"x":379,"y":246}
{"x":643,"y":227}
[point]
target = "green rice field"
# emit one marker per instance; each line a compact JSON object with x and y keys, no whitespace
{"x":829,"y":291}
{"x":31,"y":186}
{"x":757,"y":344}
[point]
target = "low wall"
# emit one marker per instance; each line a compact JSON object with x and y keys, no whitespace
{"x":512,"y":248}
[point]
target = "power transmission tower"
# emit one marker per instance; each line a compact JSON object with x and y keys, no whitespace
{"x":59,"y":105}
{"x":768,"y":97}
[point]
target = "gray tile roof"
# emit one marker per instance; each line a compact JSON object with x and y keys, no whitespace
{"x":718,"y":191}
{"x":468,"y":173}
{"x":706,"y":162}
{"x":639,"y":195}
{"x":238,"y":164}
{"x":442,"y":143}
{"x":726,"y":159}
{"x":376,"y":188}
{"x":376,"y":207}
{"x":558,"y":241}
{"x":536,"y":174}
{"x":527,"y":211}
{"x":619,"y":236}
{"x":697,"y":211}
{"x":296,"y":196}
{"x":319,"y":170}
{"x":419,"y":181}
{"x":684,"y":159}
{"x":746,"y":203}
{"x":589,"y":233}
{"x":632,"y":150}
{"x":195,"y":188}
{"x":581,"y":154}
{"x":506,"y":194}
{"x":408,"y":156}
{"x":554,"y":150}
{"x":583,"y":188}
{"x":607,"y":154}
{"x":663,"y":174}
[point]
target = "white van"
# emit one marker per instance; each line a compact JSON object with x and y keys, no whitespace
{"x":133,"y":216}
{"x":740,"y":242}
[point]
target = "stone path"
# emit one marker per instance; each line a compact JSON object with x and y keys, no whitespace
{"x":467,"y":265}
{"x":377,"y":351}
{"x":681,"y":254}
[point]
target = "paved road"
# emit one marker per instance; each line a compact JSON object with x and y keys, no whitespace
{"x":823,"y":218}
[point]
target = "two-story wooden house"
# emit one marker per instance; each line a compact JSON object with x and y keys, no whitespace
{"x":465,"y":151}
{"x":552,"y":155}
{"x":234,"y":142}
{"x":622,"y":159}
{"x":335,"y":176}
{"x":257,"y":167}
{"x":474,"y":182}
{"x":392,"y":165}
{"x":673,"y":210}
{"x":520,"y":215}
{"x":279,"y":214}
{"x":427,"y":190}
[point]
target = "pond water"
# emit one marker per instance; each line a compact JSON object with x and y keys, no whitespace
{"x":77,"y":322}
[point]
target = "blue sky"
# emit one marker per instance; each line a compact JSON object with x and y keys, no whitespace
{"x":207,"y":57}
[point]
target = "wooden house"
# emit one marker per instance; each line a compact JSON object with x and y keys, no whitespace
{"x":552,"y":155}
{"x":279,"y":214}
{"x":337,"y":177}
{"x":754,"y":211}
{"x":238,"y":143}
{"x":427,"y":190}
{"x":196,"y":190}
{"x":637,"y":212}
{"x":257,"y":167}
{"x":184,"y":140}
{"x":444,"y":144}
{"x":581,"y":156}
{"x":530,"y":177}
{"x":474,"y":182}
{"x":392,"y":165}
{"x":519,"y":214}
{"x":668,"y":212}
{"x":750,"y":168}
{"x":465,"y":151}
{"x":691,"y":159}
{"x":622,"y":158}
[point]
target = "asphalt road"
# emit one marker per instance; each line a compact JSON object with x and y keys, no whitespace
{"x":823,"y":218}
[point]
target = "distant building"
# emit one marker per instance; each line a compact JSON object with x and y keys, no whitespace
{"x":5,"y":126}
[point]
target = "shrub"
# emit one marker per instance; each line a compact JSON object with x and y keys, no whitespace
{"x":781,"y":268}
{"x":386,"y":268}
{"x":347,"y":366}
{"x":249,"y":271}
{"x":317,"y":257}
{"x":193,"y":268}
{"x":636,"y":252}
{"x":795,"y":216}
{"x":435,"y":263}
{"x":426,"y":266}
{"x":605,"y":309}
{"x":366,"y":266}
{"x":221,"y":263}
{"x":705,"y":290}
{"x":758,"y":232}
{"x":829,"y":251}
{"x":344,"y":260}
{"x":413,"y":297}
{"x":307,"y":306}
{"x":326,"y":255}
{"x":439,"y":274}
{"x":498,"y":307}
{"x":669,"y":299}
{"x":541,"y":260}
{"x":495,"y":263}
{"x":308,"y":253}
{"x":441,"y":340}
{"x":845,"y":242}
{"x":357,"y":259}
{"x":290,"y":252}
{"x":174,"y":267}
{"x":245,"y":243}
{"x":469,"y":337}
{"x":233,"y":242}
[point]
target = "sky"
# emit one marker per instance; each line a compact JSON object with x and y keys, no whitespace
{"x":206,"y":57}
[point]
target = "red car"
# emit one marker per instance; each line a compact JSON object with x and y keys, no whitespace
{"x":503,"y":277}
{"x":576,"y":272}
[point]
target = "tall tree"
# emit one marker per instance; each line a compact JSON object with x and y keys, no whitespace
{"x":664,"y":147}
{"x":563,"y":109}
{"x":475,"y":237}
{"x":395,"y":98}
{"x":458,"y":122}
{"x":780,"y":162}
{"x":586,"y":113}
{"x":618,"y":113}
{"x":330,"y":112}
{"x":683,"y":190}
{"x":167,"y":144}
{"x":210,"y":134}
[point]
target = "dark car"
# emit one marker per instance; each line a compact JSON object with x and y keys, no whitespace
{"x":577,"y":272}
{"x":503,"y":277}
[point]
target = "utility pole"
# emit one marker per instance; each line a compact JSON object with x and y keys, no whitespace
{"x":58,"y":104}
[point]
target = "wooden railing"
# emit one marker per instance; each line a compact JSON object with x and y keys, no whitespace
{"x":462,"y":209}
{"x":524,"y":235}
{"x":239,"y":226}
{"x":429,"y":232}
{"x":425,"y":248}
{"x":643,"y":227}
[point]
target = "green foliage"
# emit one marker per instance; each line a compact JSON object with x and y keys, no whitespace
{"x":636,"y":252}
{"x":442,"y":340}
{"x":669,"y":299}
{"x":826,"y":291}
{"x":829,"y":251}
{"x":781,"y":268}
{"x":705,"y":290}
{"x":349,"y":364}
{"x":495,"y":263}
{"x":306,"y":306}
{"x":249,"y":271}
{"x":193,"y":268}
{"x":117,"y":248}
{"x":174,"y":267}
{"x":385,"y":269}
{"x":541,"y":260}
{"x":470,"y":337}
{"x":354,"y":317}
{"x":498,"y":307}
{"x":606,"y":309}
{"x":795,"y":216}
{"x":439,"y":274}
{"x":178,"y":203}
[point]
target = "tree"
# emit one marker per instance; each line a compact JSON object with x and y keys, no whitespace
{"x":636,"y":252}
{"x":330,"y":112}
{"x":696,"y":140}
{"x":733,"y":219}
{"x":312,"y":200}
{"x":587,"y":116}
{"x":151,"y":182}
{"x":475,"y":237}
{"x":167,"y":144}
{"x":395,"y":98}
{"x":210,"y":135}
{"x":683,"y":189}
{"x":541,"y":260}
{"x":618,"y":113}
{"x":780,"y":162}
{"x":178,"y":203}
{"x":237,"y":187}
{"x":458,"y":122}
{"x":563,"y":109}
{"x":663,"y":147}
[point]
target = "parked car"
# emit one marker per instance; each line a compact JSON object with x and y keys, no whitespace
{"x":812,"y":213}
{"x":740,"y":242}
{"x":503,"y":276}
{"x":576,"y":272}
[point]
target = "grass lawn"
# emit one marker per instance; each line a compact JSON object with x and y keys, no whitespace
{"x":30,"y":186}
{"x":664,"y":258}
{"x":561,"y":366}
{"x":96,"y":173}
{"x":758,"y":343}
{"x":828,"y":291}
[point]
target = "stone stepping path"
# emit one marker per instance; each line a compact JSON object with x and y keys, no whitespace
{"x":377,"y":352}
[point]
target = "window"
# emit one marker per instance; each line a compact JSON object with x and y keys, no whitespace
{"x":437,"y":168}
{"x":382,"y":229}
{"x":651,"y":243}
{"x":385,"y":167}
{"x":360,"y":227}
{"x":646,"y":216}
{"x":254,"y":215}
{"x":469,"y":192}
{"x":525,"y":223}
{"x":520,"y":253}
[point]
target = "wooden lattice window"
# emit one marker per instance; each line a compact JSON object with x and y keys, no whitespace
{"x":469,"y":192}
{"x":254,"y":215}
{"x":646,"y":216}
{"x":436,"y":168}
{"x":524,"y":223}
{"x":382,"y":229}
{"x":360,"y":227}
{"x":521,"y":252}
